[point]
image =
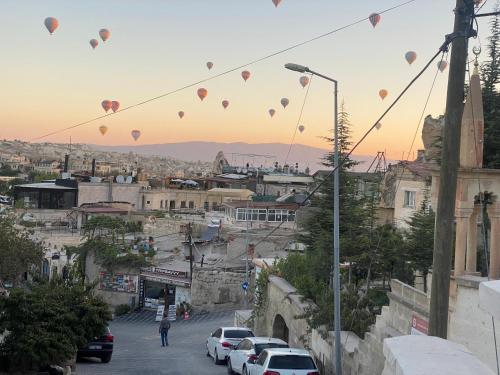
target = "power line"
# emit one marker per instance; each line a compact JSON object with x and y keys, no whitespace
{"x":294,"y":46}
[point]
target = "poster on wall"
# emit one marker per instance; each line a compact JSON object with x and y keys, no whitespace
{"x":419,"y":326}
{"x":118,"y":282}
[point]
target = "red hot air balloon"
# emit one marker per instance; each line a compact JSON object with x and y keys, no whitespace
{"x":276,"y":3}
{"x":181,"y":114}
{"x":106,"y":104}
{"x":115,"y":106}
{"x":382,"y":93}
{"x":94,"y":43}
{"x":374,"y":19}
{"x":103,"y":129}
{"x":245,"y":74}
{"x":410,"y":56}
{"x":51,"y":24}
{"x":104,"y":34}
{"x":202,"y":93}
{"x":442,"y":65}
{"x":284,"y":102}
{"x":210,"y":65}
{"x":225,"y":103}
{"x":135,"y":134}
{"x":272,"y":112}
{"x":301,"y":128}
{"x":304,"y":80}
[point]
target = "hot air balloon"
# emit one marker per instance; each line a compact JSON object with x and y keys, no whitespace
{"x":210,"y":65}
{"x":94,"y":43}
{"x":410,"y":56}
{"x":225,"y":103}
{"x":103,"y":129}
{"x":276,"y":3}
{"x":272,"y":112}
{"x":104,"y":34}
{"x":51,"y":24}
{"x":442,"y":65}
{"x":284,"y":102}
{"x":202,"y":93}
{"x":301,"y":128}
{"x":245,"y":74}
{"x":383,"y":93}
{"x":374,"y":19}
{"x":304,"y":80}
{"x":181,"y":114}
{"x":115,"y":105}
{"x":135,"y":134}
{"x":106,"y":104}
{"x":378,"y":126}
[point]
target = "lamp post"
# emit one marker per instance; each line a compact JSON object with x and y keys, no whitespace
{"x":336,"y":247}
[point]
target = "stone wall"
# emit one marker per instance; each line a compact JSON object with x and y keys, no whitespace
{"x":217,"y":288}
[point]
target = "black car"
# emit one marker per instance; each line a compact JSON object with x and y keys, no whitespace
{"x":101,"y":347}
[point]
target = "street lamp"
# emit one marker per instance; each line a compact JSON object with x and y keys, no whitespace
{"x":336,"y":247}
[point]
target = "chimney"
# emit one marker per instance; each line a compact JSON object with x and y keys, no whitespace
{"x":66,"y":162}
{"x":93,"y":168}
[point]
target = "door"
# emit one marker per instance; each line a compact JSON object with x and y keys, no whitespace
{"x":240,"y":355}
{"x":213,"y":340}
{"x":257,"y":369}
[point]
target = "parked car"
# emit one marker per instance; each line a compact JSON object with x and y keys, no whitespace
{"x":100,"y":347}
{"x":284,"y":362}
{"x":223,"y":340}
{"x":248,"y":350}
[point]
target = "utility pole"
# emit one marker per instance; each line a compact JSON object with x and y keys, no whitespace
{"x":247,"y":217}
{"x":190,"y":239}
{"x":445,"y":214}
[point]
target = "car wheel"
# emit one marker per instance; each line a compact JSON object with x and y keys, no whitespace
{"x":245,"y":372}
{"x":106,"y":358}
{"x":229,"y":367}
{"x":208,"y":352}
{"x":217,"y":361}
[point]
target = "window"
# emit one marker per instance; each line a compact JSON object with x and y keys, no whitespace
{"x":271,"y":215}
{"x":409,"y":199}
{"x":183,"y":204}
{"x":161,"y":203}
{"x":262,"y":358}
{"x":278,"y":215}
{"x":260,"y":347}
{"x":291,"y":215}
{"x":289,"y":362}
{"x":240,"y":214}
{"x":191,"y":204}
{"x":237,"y":334}
{"x":148,"y":202}
{"x":217,"y":333}
{"x":262,"y":215}
{"x":206,"y":206}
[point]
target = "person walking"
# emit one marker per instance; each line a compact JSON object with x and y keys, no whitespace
{"x":163,"y":330}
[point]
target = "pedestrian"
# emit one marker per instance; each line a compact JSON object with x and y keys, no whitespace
{"x":163,"y":330}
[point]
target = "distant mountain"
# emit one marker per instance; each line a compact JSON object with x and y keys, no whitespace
{"x":206,"y":151}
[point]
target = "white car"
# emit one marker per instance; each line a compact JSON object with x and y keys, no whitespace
{"x":284,"y":362}
{"x":223,"y":340}
{"x":248,"y":350}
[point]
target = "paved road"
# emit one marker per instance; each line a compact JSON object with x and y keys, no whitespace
{"x":137,"y":348}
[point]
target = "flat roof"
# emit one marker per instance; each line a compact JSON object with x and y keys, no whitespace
{"x":45,"y":185}
{"x":252,"y":204}
{"x":288,"y":179}
{"x":102,"y":210}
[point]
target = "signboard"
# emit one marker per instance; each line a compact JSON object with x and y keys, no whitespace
{"x":159,"y":313}
{"x":172,"y":313}
{"x":166,"y":272}
{"x":118,"y":282}
{"x":244,"y":286}
{"x":141,"y":293}
{"x":419,"y":326}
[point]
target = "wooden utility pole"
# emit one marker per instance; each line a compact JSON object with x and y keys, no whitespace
{"x":445,"y":214}
{"x":190,"y":239}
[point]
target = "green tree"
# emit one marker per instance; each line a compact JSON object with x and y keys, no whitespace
{"x":47,"y":322}
{"x":18,"y":253}
{"x":41,"y":176}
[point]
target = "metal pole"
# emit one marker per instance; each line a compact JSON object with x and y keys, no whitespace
{"x":336,"y":237}
{"x":246,"y":258}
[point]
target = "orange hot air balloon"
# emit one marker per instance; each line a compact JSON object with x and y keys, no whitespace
{"x":301,"y":128}
{"x":94,"y":43}
{"x":383,"y":93}
{"x":202,"y":93}
{"x":106,"y":104}
{"x":103,"y":129}
{"x":284,"y":102}
{"x":304,"y":80}
{"x":374,"y":19}
{"x":442,"y":65}
{"x":104,"y":34}
{"x":51,"y":24}
{"x":135,"y":134}
{"x":410,"y":56}
{"x":115,"y":106}
{"x":378,"y":126}
{"x":181,"y":114}
{"x":272,"y":112}
{"x":276,"y":3}
{"x":245,"y":74}
{"x":210,"y":65}
{"x":225,"y":103}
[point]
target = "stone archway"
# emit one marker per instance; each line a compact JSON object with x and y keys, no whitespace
{"x":280,"y":329}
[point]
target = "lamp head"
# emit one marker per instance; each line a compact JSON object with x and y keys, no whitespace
{"x":297,"y":67}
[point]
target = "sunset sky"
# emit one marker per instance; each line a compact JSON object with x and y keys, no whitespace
{"x":156,"y":46}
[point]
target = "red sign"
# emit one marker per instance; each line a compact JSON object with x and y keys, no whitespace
{"x":419,"y":326}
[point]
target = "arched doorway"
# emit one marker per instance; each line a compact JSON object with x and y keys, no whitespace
{"x":280,"y":329}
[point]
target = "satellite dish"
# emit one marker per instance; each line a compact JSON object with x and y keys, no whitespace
{"x":128,"y":180}
{"x":244,"y":171}
{"x":120,"y":179}
{"x":238,"y":170}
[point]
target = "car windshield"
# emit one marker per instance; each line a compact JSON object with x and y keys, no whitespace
{"x":237,"y":334}
{"x":291,"y":362}
{"x":267,"y":345}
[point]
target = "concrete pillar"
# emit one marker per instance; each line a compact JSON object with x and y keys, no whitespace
{"x":462,"y":216}
{"x":494,"y":216}
{"x":471,"y":259}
